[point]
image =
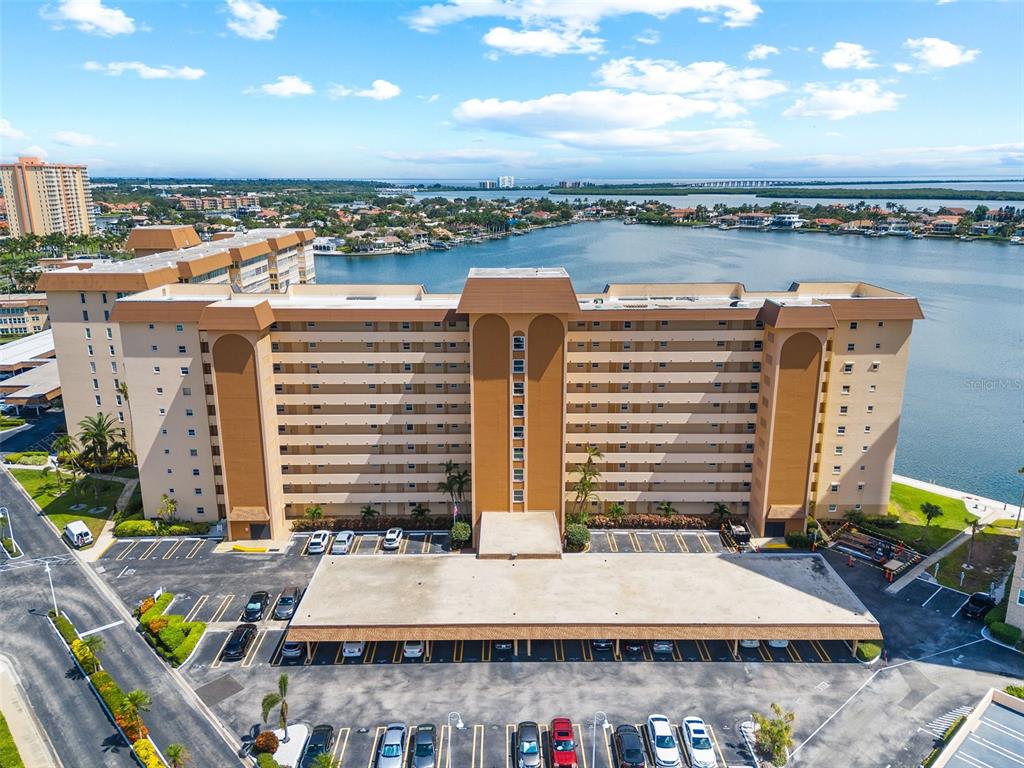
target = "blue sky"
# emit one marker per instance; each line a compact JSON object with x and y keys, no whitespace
{"x":542,"y":89}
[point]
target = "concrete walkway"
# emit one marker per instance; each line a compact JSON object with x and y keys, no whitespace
{"x":106,"y":538}
{"x":34,"y":747}
{"x":987,"y":510}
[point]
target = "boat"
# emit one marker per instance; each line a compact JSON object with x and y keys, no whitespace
{"x":440,"y":245}
{"x":967,"y":238}
{"x":629,"y":220}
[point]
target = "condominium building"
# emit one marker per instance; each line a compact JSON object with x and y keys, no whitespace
{"x":46,"y":198}
{"x":81,"y":298}
{"x":253,"y":406}
{"x":506,"y":182}
{"x":22,"y":313}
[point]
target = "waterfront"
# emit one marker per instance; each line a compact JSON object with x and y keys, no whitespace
{"x":964,"y":401}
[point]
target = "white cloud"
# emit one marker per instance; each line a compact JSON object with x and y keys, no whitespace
{"x":761,"y":51}
{"x":286,"y":86}
{"x":380,"y":90}
{"x":430,"y":99}
{"x":935,"y":53}
{"x":944,"y":2}
{"x":903,"y":67}
{"x":90,"y":16}
{"x":648,"y":37}
{"x":253,"y":20}
{"x":34,"y":151}
{"x":848,"y":56}
{"x":837,"y":102}
{"x":702,"y":79}
{"x":972,"y":158}
{"x":446,"y":156}
{"x":8,"y":131}
{"x":145,"y":71}
{"x":610,"y":120}
{"x":76,"y":139}
{"x":545,"y":42}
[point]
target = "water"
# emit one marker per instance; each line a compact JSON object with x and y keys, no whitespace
{"x":964,"y":403}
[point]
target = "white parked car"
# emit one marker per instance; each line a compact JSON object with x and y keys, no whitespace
{"x":778,"y":643}
{"x":392,"y":539}
{"x":697,"y":743}
{"x":353,"y":649}
{"x":343,"y":543}
{"x":750,"y":643}
{"x":318,"y":542}
{"x":663,"y":743}
{"x":413,"y":649}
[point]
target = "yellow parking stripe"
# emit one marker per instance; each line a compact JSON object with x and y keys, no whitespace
{"x":219,"y":613}
{"x":428,"y":652}
{"x":702,"y":649}
{"x":588,"y":653}
{"x":358,"y":542}
{"x":766,"y":654}
{"x":275,"y":657}
{"x":582,"y":748}
{"x":658,"y":545}
{"x":559,"y":650}
{"x":635,"y":542}
{"x":478,"y":747}
{"x":607,"y":749}
{"x":820,"y":650}
{"x":251,"y":655}
{"x":444,"y":757}
{"x":124,"y":554}
{"x":396,"y":656}
{"x":377,"y":545}
{"x":191,"y":615}
{"x":371,"y":652}
{"x":310,"y":654}
{"x":676,"y":653}
{"x":195,"y":550}
{"x":457,"y":653}
{"x":338,"y":753}
{"x":376,"y":742}
{"x":485,"y":653}
{"x":718,"y":750}
{"x":338,"y":658}
{"x":681,"y":541}
{"x":428,"y":540}
{"x":174,"y":547}
{"x":793,"y":653}
{"x":219,"y":659}
{"x":613,"y":545}
{"x":648,"y":656}
{"x":509,"y":730}
{"x":149,"y":550}
{"x":401,"y":550}
{"x":704,"y":543}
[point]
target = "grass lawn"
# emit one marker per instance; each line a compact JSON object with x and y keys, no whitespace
{"x":44,"y":491}
{"x":9,"y":757}
{"x":905,"y":501}
{"x":995,"y":549}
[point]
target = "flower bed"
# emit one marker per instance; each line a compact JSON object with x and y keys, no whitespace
{"x":379,"y":523}
{"x":168,"y":633}
{"x":32,"y":458}
{"x":129,"y":528}
{"x":648,"y":521}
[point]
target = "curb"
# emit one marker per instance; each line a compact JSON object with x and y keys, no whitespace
{"x":988,"y":636}
{"x":51,"y":758}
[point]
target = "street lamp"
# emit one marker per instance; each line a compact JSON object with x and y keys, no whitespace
{"x":458,"y":724}
{"x":593,"y":735}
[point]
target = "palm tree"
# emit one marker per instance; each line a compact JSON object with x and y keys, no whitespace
{"x":279,"y":699}
{"x":420,"y":511}
{"x":315,"y":512}
{"x":589,"y":473}
{"x":930,"y":512}
{"x":368,"y":512}
{"x":666,"y":509}
{"x":178,"y":755}
{"x":65,"y":444}
{"x":95,"y":645}
{"x":133,"y":705}
{"x":447,"y":486}
{"x":721,"y":512}
{"x":325,"y":760}
{"x":122,"y":390}
{"x":460,"y":481}
{"x":96,"y":435}
{"x":616,"y":511}
{"x":1021,"y":507}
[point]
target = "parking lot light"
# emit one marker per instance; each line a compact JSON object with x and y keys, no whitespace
{"x":458,"y":724}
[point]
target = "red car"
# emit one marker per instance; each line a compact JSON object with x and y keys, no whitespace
{"x":563,"y":745}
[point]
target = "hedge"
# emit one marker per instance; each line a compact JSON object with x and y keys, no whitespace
{"x":868,"y":650}
{"x":168,"y":634}
{"x":648,"y":521}
{"x":379,"y":523}
{"x":7,"y":422}
{"x":195,"y":634}
{"x":108,"y":689}
{"x":129,"y":528}
{"x":267,"y":761}
{"x":797,"y":540}
{"x":996,"y":615}
{"x":1015,"y":690}
{"x":66,"y":628}
{"x":576,"y":537}
{"x":147,"y":754}
{"x":1004,"y":633}
{"x":156,"y":607}
{"x":31,"y":458}
{"x":84,"y":656}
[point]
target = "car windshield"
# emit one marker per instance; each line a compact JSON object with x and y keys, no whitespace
{"x":564,"y":745}
{"x":664,"y":742}
{"x":701,"y":742}
{"x":979,"y":599}
{"x":528,"y":747}
{"x":424,"y":750}
{"x":314,"y":750}
{"x":253,"y":605}
{"x":634,"y":756}
{"x":391,"y":750}
{"x":287,"y":600}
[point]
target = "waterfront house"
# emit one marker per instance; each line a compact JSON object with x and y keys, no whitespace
{"x":986,"y":228}
{"x":892,"y":227}
{"x":682,"y":214}
{"x":753,"y":219}
{"x":728,"y":220}
{"x":787,"y":221}
{"x":857,"y":226}
{"x":945,"y":225}
{"x":827,"y":224}
{"x":956,"y":211}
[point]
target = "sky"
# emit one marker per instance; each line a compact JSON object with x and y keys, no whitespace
{"x":539,"y":89}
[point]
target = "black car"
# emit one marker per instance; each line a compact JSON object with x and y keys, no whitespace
{"x":503,"y":646}
{"x":239,"y":641}
{"x":286,"y":603}
{"x":633,"y":646}
{"x":256,"y":607}
{"x":320,"y":742}
{"x":978,"y":605}
{"x":424,"y":748}
{"x":602,"y":645}
{"x":629,"y":748}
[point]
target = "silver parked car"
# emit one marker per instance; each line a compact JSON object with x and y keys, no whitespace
{"x":391,"y":752}
{"x":424,"y":746}
{"x":392,"y":539}
{"x":343,"y":543}
{"x":528,"y":745}
{"x":663,"y":742}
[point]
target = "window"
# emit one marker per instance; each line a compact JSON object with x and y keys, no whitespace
{"x":843,"y":410}
{"x":95,"y":383}
{"x":839,"y":450}
{"x":81,"y":297}
{"x":840,"y":430}
{"x":834,"y":488}
{"x":832,"y":507}
{"x":184,"y":370}
{"x":88,"y":333}
{"x":199,"y":491}
{"x":864,"y":449}
{"x":98,"y":400}
{"x":875,"y":365}
{"x":860,"y":486}
{"x":152,"y":348}
{"x":85,"y":315}
{"x":517,"y":475}
{"x":200,"y":510}
{"x":853,"y":326}
{"x":867,"y":429}
{"x":878,"y":345}
{"x":163,"y":411}
{"x":186,"y":391}
{"x":193,"y":452}
{"x":170,"y":471}
{"x":110,"y":349}
{"x":191,"y":432}
{"x":152,"y":327}
{"x":92,"y":367}
{"x":179,"y":327}
{"x":517,"y":496}
{"x":518,"y":432}
{"x":851,"y":347}
{"x":847,"y":367}
{"x":518,"y":366}
{"x":880,"y":324}
{"x":517,"y":454}
{"x":195,"y":472}
{"x":181,"y":349}
{"x":156,"y":369}
{"x":518,"y":388}
{"x":110,"y":333}
{"x":518,"y":343}
{"x":89,"y":349}
{"x":188,"y":412}
{"x":518,"y":411}
{"x":871,"y":387}
{"x":871,"y":409}
{"x":846,"y":389}
{"x":113,"y":366}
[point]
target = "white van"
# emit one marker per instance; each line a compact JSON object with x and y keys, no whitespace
{"x":77,"y":534}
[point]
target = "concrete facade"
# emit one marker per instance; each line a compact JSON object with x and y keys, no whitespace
{"x":22,"y":313}
{"x":1015,"y":608}
{"x":46,"y":198}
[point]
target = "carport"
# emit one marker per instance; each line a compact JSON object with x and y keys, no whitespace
{"x":642,"y":596}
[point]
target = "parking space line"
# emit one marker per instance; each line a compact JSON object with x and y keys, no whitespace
{"x":457,"y":652}
{"x":444,"y":757}
{"x":681,"y":541}
{"x":646,"y":646}
{"x":222,"y":608}
{"x":396,"y":655}
{"x":376,"y":740}
{"x":338,"y":658}
{"x":588,"y":653}
{"x":635,"y":542}
{"x":616,"y":653}
{"x":718,"y":749}
{"x":930,"y":598}
{"x":794,"y":654}
{"x":377,"y":545}
{"x":310,"y":653}
{"x":613,"y":545}
{"x":124,"y":554}
{"x":220,"y":651}
{"x":371,"y":652}
{"x":191,"y":615}
{"x":559,"y":650}
{"x":578,"y":730}
{"x":509,"y":730}
{"x":763,"y":650}
{"x":251,"y":655}
{"x":401,"y":550}
{"x":704,"y":543}
{"x":195,"y":550}
{"x":702,"y":649}
{"x":149,"y":550}
{"x":485,"y":651}
{"x":607,"y":748}
{"x":428,"y":542}
{"x":658,"y":545}
{"x":174,"y":548}
{"x":953,"y":615}
{"x":428,"y":652}
{"x":677,"y":655}
{"x":820,"y":650}
{"x":340,"y":745}
{"x":478,"y":746}
{"x":275,"y":657}
{"x":357,"y":543}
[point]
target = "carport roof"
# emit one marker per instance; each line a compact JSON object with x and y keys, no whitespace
{"x":445,"y":597}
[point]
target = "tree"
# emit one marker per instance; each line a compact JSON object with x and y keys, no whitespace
{"x":720,"y":512}
{"x":930,"y":512}
{"x":616,"y":511}
{"x":666,"y":509}
{"x":122,"y":390}
{"x":1021,"y":507}
{"x":97,"y":437}
{"x":278,"y":698}
{"x":95,"y":645}
{"x":974,"y":523}
{"x":368,"y":512}
{"x":179,"y":755}
{"x":133,"y":705}
{"x":315,"y":512}
{"x":589,"y":473}
{"x":775,"y":734}
{"x":419,"y":511}
{"x":168,"y":507}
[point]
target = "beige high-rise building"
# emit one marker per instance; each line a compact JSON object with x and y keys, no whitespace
{"x":45,"y":198}
{"x":253,"y":406}
{"x":22,"y":313}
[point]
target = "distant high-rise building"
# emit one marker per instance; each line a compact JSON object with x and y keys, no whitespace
{"x":506,"y":182}
{"x":44,"y":198}
{"x":488,"y":184}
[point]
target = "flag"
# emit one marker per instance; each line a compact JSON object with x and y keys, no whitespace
{"x":455,"y":511}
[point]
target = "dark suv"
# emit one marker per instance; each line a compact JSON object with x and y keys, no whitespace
{"x":629,"y":748}
{"x":978,"y":605}
{"x":256,"y":607}
{"x":239,"y":641}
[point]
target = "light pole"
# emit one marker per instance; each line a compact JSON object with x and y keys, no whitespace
{"x":458,"y":724}
{"x":53,"y":594}
{"x":593,"y":735}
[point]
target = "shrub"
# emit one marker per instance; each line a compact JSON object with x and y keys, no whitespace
{"x":147,"y":754}
{"x":183,"y":651}
{"x":798,"y":540}
{"x":6,"y":422}
{"x":267,"y":761}
{"x":171,"y":637}
{"x":378,"y":523}
{"x":145,"y":605}
{"x":64,"y":627}
{"x":266,"y":742}
{"x":576,"y":537}
{"x":157,"y":624}
{"x":108,"y":690}
{"x":129,"y":528}
{"x":996,"y":615}
{"x":158,"y":607}
{"x":460,"y":534}
{"x":134,"y":728}
{"x":31,"y":458}
{"x":84,"y":656}
{"x":1015,"y":690}
{"x":882,"y":521}
{"x":11,"y":547}
{"x":647,"y":521}
{"x":868,"y":650}
{"x":1004,"y":633}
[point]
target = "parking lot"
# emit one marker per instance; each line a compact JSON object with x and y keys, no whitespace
{"x":694,"y":542}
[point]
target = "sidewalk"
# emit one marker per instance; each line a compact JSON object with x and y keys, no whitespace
{"x":35,"y":749}
{"x":106,"y":538}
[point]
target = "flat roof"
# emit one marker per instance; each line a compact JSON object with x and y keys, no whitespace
{"x":33,"y":347}
{"x":993,"y":735}
{"x":41,"y":383}
{"x":643,"y":595}
{"x":523,"y":534}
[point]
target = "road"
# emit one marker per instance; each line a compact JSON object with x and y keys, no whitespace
{"x":72,"y":717}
